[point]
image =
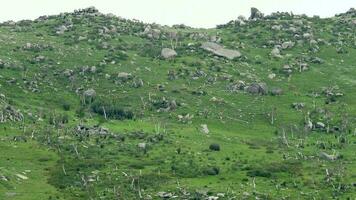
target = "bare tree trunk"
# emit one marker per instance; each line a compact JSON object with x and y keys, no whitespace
{"x":104,"y":112}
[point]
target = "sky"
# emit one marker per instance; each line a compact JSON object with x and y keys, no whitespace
{"x":195,"y":13}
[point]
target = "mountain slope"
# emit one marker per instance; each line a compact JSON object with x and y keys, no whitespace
{"x":259,"y":108}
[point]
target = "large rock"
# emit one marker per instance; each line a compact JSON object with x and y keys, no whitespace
{"x":90,"y":93}
{"x":124,"y":76}
{"x":220,"y":51}
{"x":329,"y":157}
{"x":276,"y":53}
{"x":257,"y":88}
{"x":152,"y":33}
{"x":168,"y":53}
{"x":276,"y":91}
{"x":287,"y":45}
{"x":256,"y":14}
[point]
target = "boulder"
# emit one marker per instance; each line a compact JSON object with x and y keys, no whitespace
{"x":165,"y":195}
{"x":276,"y":91}
{"x":257,"y":88}
{"x":204,"y":128}
{"x":152,"y":33}
{"x":287,"y":45}
{"x":255,"y":14}
{"x":68,"y":72}
{"x":90,"y":93}
{"x":298,"y":106}
{"x":167,"y":53}
{"x":220,"y":51}
{"x":142,"y":145}
{"x":61,"y":29}
{"x":276,"y":53}
{"x":326,"y":156}
{"x":320,"y":125}
{"x":124,"y":76}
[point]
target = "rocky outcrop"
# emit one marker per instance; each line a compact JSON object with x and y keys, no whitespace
{"x":220,"y":51}
{"x":256,"y":14}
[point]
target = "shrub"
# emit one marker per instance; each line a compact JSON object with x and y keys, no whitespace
{"x":186,"y":168}
{"x":58,"y":119}
{"x":66,"y":106}
{"x":212,"y":171}
{"x":111,"y":110}
{"x":259,"y":172}
{"x":150,"y":50}
{"x":80,"y":112}
{"x":214,"y":147}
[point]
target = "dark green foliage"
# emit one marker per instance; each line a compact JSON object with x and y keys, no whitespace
{"x":211,"y":171}
{"x":214,"y":147}
{"x":66,"y":106}
{"x":150,"y":49}
{"x":111,"y":110}
{"x":260,"y":173}
{"x":186,"y":168}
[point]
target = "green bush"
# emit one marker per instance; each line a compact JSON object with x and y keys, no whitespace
{"x":259,"y":173}
{"x":66,"y":106}
{"x":214,"y":147}
{"x":111,"y":110}
{"x":211,"y":171}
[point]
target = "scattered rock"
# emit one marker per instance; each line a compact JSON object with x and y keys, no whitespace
{"x":320,"y":125}
{"x":23,"y":177}
{"x":276,"y":53}
{"x":257,"y":88}
{"x":124,"y":76}
{"x":204,"y":128}
{"x":142,"y":145}
{"x":272,"y":76}
{"x":165,"y":195}
{"x":168,"y":53}
{"x":326,"y":156}
{"x":298,"y":106}
{"x":220,"y":51}
{"x":287,"y":45}
{"x":276,"y":91}
{"x":90,"y":93}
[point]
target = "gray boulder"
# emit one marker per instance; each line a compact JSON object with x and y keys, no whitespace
{"x":256,"y":14}
{"x":90,"y":93}
{"x":287,"y":45}
{"x":276,"y":91}
{"x":257,"y":88}
{"x":220,"y":51}
{"x":276,"y":53}
{"x":167,"y":53}
{"x":124,"y":76}
{"x":326,"y":156}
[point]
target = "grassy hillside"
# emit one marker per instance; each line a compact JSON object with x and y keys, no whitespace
{"x":92,"y":108}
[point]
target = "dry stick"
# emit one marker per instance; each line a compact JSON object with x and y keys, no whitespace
{"x":285,"y":138}
{"x":75,"y":149}
{"x":64,"y":170}
{"x":143,"y":103}
{"x":104,"y":112}
{"x":138,"y":184}
{"x":23,"y":123}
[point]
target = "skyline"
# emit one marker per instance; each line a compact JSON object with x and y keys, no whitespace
{"x":198,"y":13}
